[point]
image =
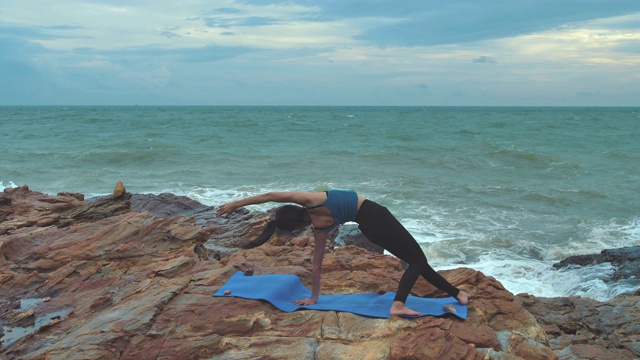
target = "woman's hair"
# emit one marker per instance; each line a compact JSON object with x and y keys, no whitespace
{"x":288,"y":217}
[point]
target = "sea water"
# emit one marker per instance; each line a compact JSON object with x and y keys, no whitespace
{"x":508,"y":191}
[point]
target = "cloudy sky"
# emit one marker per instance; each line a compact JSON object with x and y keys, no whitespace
{"x":302,"y":52}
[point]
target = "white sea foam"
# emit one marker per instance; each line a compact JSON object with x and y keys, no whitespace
{"x":218,"y":196}
{"x":524,"y":266}
{"x":541,"y":279}
{"x":614,"y":234}
{"x":10,"y":185}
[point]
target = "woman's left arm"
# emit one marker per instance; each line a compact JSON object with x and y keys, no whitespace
{"x":320,"y":244}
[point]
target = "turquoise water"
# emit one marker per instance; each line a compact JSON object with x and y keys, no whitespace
{"x":505,"y":190}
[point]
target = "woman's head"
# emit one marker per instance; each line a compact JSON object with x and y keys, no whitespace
{"x":288,"y":217}
{"x":291,"y":217}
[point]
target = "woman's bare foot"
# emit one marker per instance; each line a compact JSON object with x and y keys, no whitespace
{"x":463,"y":298}
{"x":400,"y":309}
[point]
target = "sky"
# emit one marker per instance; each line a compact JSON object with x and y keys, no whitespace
{"x":317,"y":53}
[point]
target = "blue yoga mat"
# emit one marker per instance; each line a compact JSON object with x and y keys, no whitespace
{"x":282,"y":289}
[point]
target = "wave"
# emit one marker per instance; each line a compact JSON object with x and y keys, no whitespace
{"x":515,"y":157}
{"x":540,"y":278}
{"x":9,"y":185}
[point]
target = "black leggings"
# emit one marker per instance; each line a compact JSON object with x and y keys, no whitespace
{"x":382,"y":228}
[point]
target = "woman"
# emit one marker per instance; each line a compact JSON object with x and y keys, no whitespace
{"x":327,"y":210}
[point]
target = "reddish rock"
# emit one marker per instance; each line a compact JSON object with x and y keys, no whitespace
{"x":134,"y":285}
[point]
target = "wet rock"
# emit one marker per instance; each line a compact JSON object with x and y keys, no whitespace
{"x":578,"y":325}
{"x":624,"y":259}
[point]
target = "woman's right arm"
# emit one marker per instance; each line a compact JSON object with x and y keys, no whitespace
{"x":298,"y":197}
{"x":320,"y":245}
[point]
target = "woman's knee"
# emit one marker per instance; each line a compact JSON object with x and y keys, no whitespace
{"x":418,"y":266}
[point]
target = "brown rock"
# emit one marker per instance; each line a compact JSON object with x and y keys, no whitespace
{"x":533,"y":351}
{"x":131,"y":285}
{"x":5,"y":277}
{"x":20,"y":318}
{"x":5,"y":199}
{"x":301,"y":241}
{"x":167,"y":205}
{"x":119,"y":191}
{"x":592,"y":352}
{"x":28,"y":208}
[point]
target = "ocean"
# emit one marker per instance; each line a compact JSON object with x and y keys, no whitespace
{"x":508,"y":191}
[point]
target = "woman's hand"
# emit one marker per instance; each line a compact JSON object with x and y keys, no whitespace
{"x":304,"y":302}
{"x":226,"y":209}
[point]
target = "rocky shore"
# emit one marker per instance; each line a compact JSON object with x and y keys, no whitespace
{"x":132,"y":276}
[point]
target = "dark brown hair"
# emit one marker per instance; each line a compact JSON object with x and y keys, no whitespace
{"x":288,"y":217}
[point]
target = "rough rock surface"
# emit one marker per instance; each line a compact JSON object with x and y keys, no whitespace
{"x":98,"y":280}
{"x":624,"y":259}
{"x":582,"y":328}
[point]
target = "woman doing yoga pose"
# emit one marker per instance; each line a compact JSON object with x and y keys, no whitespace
{"x":329,"y":209}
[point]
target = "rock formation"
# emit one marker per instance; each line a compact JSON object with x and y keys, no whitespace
{"x":624,"y":259}
{"x":132,"y":277}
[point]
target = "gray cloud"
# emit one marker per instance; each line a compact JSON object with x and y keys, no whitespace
{"x":21,"y":81}
{"x":420,"y":22}
{"x":210,"y":53}
{"x":459,"y":22}
{"x":19,"y":32}
{"x":227,"y":22}
{"x":630,"y":46}
{"x":40,"y":32}
{"x":484,"y":60}
{"x":169,"y":34}
{"x":64,"y":27}
{"x":228,"y":11}
{"x":133,"y":55}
